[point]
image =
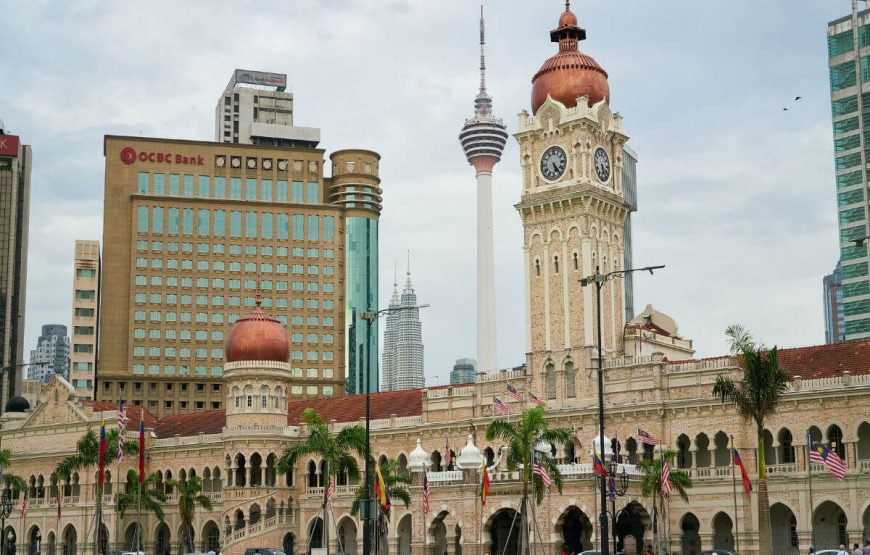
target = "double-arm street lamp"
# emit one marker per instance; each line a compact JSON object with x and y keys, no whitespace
{"x":598,"y":279}
{"x":369,"y":509}
{"x":616,"y":489}
{"x":5,"y":511}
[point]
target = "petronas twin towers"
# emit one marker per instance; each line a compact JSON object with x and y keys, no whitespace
{"x":402,"y":359}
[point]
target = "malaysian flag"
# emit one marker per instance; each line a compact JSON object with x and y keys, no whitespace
{"x":512,"y":391}
{"x":329,"y":491}
{"x":533,"y":399}
{"x":821,"y":454}
{"x":25,"y":503}
{"x":425,"y":494}
{"x":538,"y":469}
{"x":646,"y":437}
{"x":120,"y":432}
{"x":666,"y":478}
{"x":499,"y":404}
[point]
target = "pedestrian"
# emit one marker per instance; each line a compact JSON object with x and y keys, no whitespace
{"x":842,"y":550}
{"x":856,"y":549}
{"x":867,"y":548}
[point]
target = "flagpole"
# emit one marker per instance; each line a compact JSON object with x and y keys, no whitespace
{"x":734,"y":491}
{"x":810,"y":480}
{"x":534,"y":499}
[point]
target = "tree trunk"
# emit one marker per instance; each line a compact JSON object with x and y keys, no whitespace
{"x":765,"y":541}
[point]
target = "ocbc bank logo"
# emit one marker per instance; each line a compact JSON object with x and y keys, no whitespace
{"x":129,"y":155}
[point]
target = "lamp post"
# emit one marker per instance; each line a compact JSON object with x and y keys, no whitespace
{"x":368,"y":509}
{"x":5,"y":511}
{"x":599,"y":279}
{"x":615,"y":490}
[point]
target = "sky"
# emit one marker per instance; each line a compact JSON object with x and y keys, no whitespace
{"x":736,"y":195}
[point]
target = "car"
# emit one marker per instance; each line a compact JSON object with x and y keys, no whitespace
{"x":263,"y":551}
{"x":717,"y":552}
{"x":827,"y":552}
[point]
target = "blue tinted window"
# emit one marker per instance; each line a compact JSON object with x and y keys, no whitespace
{"x":173,"y":184}
{"x":267,"y":226}
{"x":250,"y":225}
{"x":235,"y":223}
{"x":313,"y":228}
{"x":220,"y":186}
{"x":173,"y":221}
{"x":202,"y":222}
{"x":297,"y":191}
{"x":313,"y":196}
{"x":220,"y":223}
{"x":235,"y":188}
{"x":159,"y":181}
{"x":142,"y":187}
{"x":328,"y":228}
{"x":266,"y":190}
{"x":203,"y":182}
{"x":188,"y":186}
{"x":298,"y":227}
{"x":281,"y":193}
{"x":250,"y":189}
{"x":283,"y":223}
{"x":157,"y":214}
{"x":187,"y":227}
{"x":142,"y":219}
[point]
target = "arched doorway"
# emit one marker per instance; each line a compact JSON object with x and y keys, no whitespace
{"x":51,"y":544}
{"x":162,"y":539}
{"x":347,"y":536}
{"x":723,"y":533}
{"x":866,"y":521}
{"x":690,"y":542}
{"x":34,"y":541}
{"x":575,"y":528}
{"x":783,"y":530}
{"x":186,"y":538}
{"x":404,"y":535}
{"x":315,"y":534}
{"x":503,"y":528}
{"x":104,"y":538}
{"x":289,"y":544}
{"x":438,"y":531}
{"x":634,"y":520}
{"x":829,"y":524}
{"x":130,"y":538}
{"x":211,"y":536}
{"x":70,"y":540}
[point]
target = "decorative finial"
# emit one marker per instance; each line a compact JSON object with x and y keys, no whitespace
{"x":567,"y":5}
{"x":409,"y":263}
{"x":395,"y":274}
{"x":259,"y":300}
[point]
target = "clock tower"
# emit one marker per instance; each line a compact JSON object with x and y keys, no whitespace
{"x":573,"y":211}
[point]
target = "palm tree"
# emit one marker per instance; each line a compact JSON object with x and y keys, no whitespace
{"x":757,"y":396}
{"x":335,"y":450}
{"x":651,"y":483}
{"x":10,"y":481}
{"x":522,"y":437}
{"x":87,"y":455}
{"x":396,"y":484}
{"x":189,"y":495}
{"x":151,"y":498}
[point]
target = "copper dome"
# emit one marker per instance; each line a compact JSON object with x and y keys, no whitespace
{"x":257,"y":336}
{"x":569,"y":73}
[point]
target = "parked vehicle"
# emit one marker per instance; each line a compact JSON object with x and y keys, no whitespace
{"x":263,"y":551}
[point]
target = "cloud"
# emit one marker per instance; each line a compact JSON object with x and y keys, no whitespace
{"x":736,"y":196}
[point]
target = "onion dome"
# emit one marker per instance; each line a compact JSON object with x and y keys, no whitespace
{"x":607,"y":452}
{"x":569,"y":73}
{"x":419,"y":459}
{"x":257,"y":336}
{"x":470,"y":456}
{"x":17,"y":404}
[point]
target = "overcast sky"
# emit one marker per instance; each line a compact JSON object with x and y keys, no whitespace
{"x":736,"y":195}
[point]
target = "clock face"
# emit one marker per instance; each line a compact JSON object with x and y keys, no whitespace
{"x":553,"y":163}
{"x":602,"y":164}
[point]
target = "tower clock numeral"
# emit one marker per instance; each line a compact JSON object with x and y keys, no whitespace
{"x":602,"y":164}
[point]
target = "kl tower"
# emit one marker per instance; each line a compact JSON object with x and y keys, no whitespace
{"x":483,"y":138}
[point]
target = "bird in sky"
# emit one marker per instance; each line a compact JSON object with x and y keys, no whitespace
{"x":785,"y":109}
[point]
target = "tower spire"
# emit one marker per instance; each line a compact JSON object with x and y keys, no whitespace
{"x":483,"y":102}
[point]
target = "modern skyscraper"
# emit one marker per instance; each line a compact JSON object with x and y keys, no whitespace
{"x":15,"y":162}
{"x":573,"y":210}
{"x":51,"y":355}
{"x":832,"y":294}
{"x":85,"y":318}
{"x":464,"y":371}
{"x":194,"y":230}
{"x":483,"y":138}
{"x":629,"y":191}
{"x":402,"y":359}
{"x":850,"y":104}
{"x":256,"y":109}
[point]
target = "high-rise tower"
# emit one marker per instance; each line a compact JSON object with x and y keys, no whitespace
{"x":403,"y":341}
{"x":573,"y":209}
{"x":483,"y":138}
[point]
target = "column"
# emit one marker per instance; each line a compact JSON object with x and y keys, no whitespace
{"x":248,"y":475}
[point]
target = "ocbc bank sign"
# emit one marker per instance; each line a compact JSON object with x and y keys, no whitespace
{"x":129,"y":156}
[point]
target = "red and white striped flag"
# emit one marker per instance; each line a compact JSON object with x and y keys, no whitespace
{"x":538,"y":469}
{"x":821,"y":454}
{"x":666,"y":478}
{"x":330,"y":490}
{"x":448,"y":456}
{"x":425,"y":494}
{"x":646,"y":437}
{"x":535,"y":400}
{"x":500,"y":405}
{"x":120,"y":431}
{"x":512,"y":391}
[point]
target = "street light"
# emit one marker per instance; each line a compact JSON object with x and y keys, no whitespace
{"x":369,"y":507}
{"x":599,"y":279}
{"x":5,"y":511}
{"x":614,"y":491}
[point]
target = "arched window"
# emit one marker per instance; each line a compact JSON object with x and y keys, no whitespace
{"x":786,"y":447}
{"x":264,"y":397}
{"x":684,"y":455}
{"x":631,"y":447}
{"x":537,"y":267}
{"x":576,"y":262}
{"x":249,"y":396}
{"x":569,"y":379}
{"x":556,"y":263}
{"x":835,"y":437}
{"x":551,"y":382}
{"x":277,"y":397}
{"x":237,"y":394}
